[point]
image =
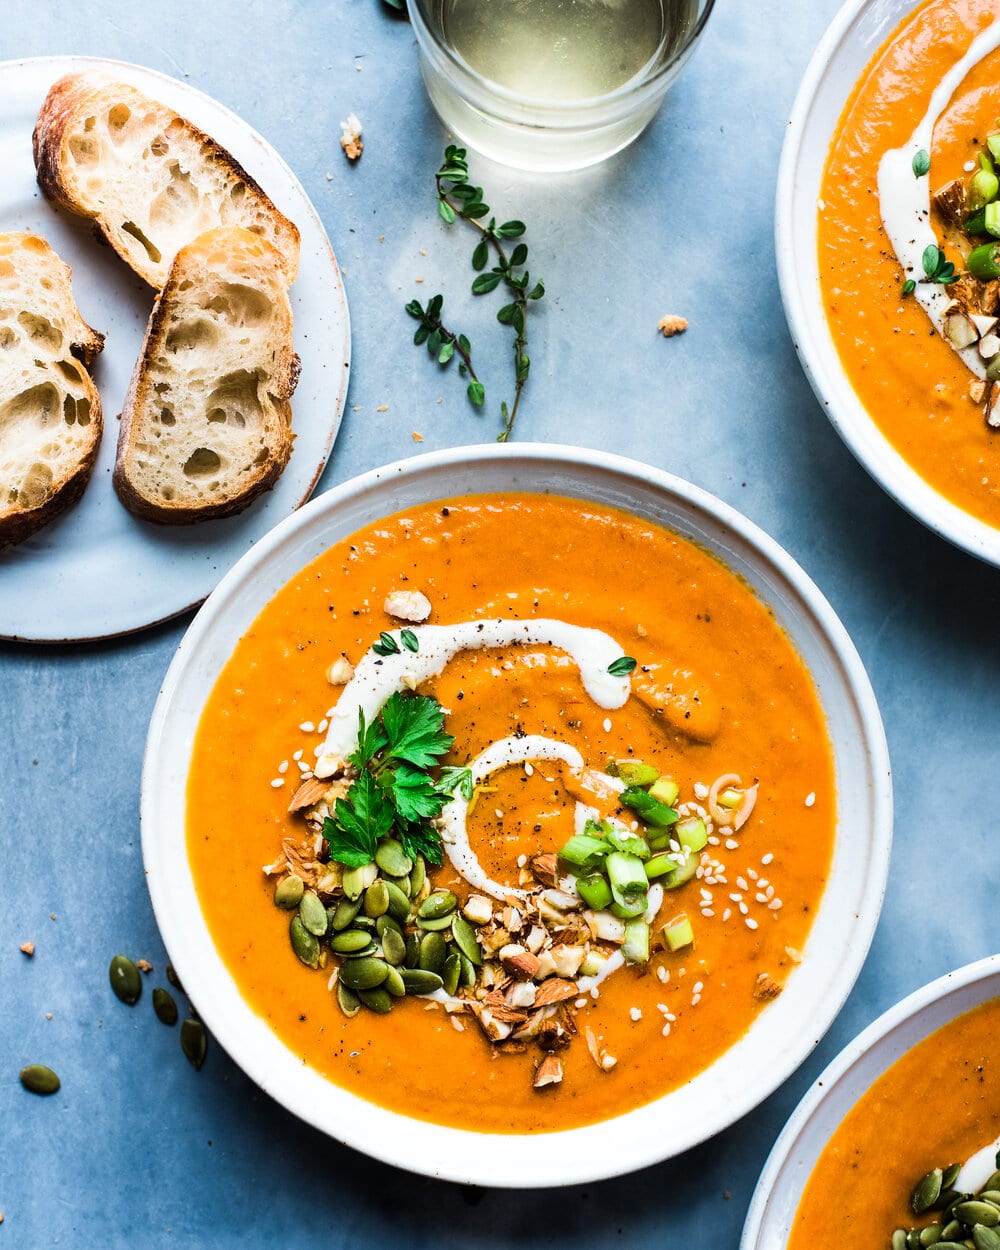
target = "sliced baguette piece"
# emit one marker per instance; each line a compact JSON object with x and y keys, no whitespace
{"x":206,"y":424}
{"x":50,"y":411}
{"x":150,"y":180}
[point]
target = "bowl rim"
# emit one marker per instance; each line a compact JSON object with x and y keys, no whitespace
{"x":873,"y":1044}
{"x":601,"y":1150}
{"x":798,"y":281}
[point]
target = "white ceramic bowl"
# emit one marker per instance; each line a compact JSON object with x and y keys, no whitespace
{"x":781,"y":1036}
{"x":857,"y":32}
{"x":855,"y":1069}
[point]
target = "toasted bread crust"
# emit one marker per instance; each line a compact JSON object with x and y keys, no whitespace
{"x":64,"y":116}
{"x":142,"y":398}
{"x":58,"y":432}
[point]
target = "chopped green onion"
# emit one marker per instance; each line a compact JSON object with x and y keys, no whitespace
{"x":982,"y":189}
{"x":976,"y":224}
{"x":984,"y":262}
{"x":627,"y":878}
{"x":991,"y":219}
{"x":595,"y":891}
{"x":658,"y":839}
{"x":628,"y":911}
{"x":628,"y":843}
{"x":985,"y":162}
{"x":666,"y":790}
{"x":730,"y":798}
{"x":691,"y":833}
{"x":648,"y":809}
{"x":685,"y":870}
{"x":635,"y":948}
{"x":993,"y":143}
{"x":660,"y":865}
{"x":632,"y":772}
{"x":678,"y":934}
{"x":584,"y":851}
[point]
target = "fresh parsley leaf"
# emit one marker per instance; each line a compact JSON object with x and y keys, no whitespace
{"x":414,"y":726}
{"x":371,"y":740}
{"x":414,"y":795}
{"x":422,"y":839}
{"x":456,"y":779}
{"x":921,"y":163}
{"x":406,"y":636}
{"x":359,"y":820}
{"x":622,"y":666}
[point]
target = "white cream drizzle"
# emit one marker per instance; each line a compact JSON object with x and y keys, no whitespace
{"x":977,"y":1170}
{"x":905,"y":201}
{"x":376,"y":678}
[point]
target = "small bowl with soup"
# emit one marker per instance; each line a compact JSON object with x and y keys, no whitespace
{"x":518,"y":815}
{"x":887,"y":225}
{"x":899,"y":1135}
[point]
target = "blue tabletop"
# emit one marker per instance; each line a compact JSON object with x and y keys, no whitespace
{"x":138,"y":1149}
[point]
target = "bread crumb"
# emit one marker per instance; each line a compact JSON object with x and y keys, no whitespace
{"x":671,"y":324}
{"x":382,"y":408}
{"x":48,"y":1015}
{"x":28,"y":948}
{"x":350,"y":137}
{"x":329,"y":177}
{"x":417,"y":436}
{"x":144,"y":965}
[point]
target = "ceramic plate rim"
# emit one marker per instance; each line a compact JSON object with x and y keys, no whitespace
{"x":637,"y":1138}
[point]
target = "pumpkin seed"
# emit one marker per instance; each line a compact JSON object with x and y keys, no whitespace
{"x":412,"y":956}
{"x":927,"y":1192}
{"x":951,"y":1245}
{"x":899,"y":1239}
{"x":364,"y":973}
{"x":399,"y":904}
{"x":352,"y":942}
{"x":194,"y":1041}
{"x":391,"y":858}
{"x":39,"y":1079}
{"x":387,"y":922}
{"x":468,"y":976}
{"x":357,"y":880}
{"x":985,"y":1238}
{"x":394,"y":947}
{"x":377,"y":899}
{"x":304,"y":943}
{"x":913,"y":1239}
{"x":313,"y":914}
{"x":466,"y":940}
{"x":418,"y":876}
{"x":440,"y":903}
{"x":951,"y":1231}
{"x":289,"y":891}
{"x":433,"y":952}
{"x":164,"y":1006}
{"x":347,"y":1000}
{"x":173,"y":978}
{"x":950,"y":1175}
{"x":125,"y":979}
{"x":973,"y":1212}
{"x":930,"y":1235}
{"x":394,"y":983}
{"x":344,"y":913}
{"x":993,"y":1182}
{"x":420,"y":981}
{"x":364,"y":922}
{"x":437,"y":925}
{"x":401,"y":883}
{"x":451,"y":972}
{"x":377,"y":999}
{"x":990,"y":1195}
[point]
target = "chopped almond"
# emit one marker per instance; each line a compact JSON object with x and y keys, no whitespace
{"x":766,"y":987}
{"x":408,"y":605}
{"x":555,"y":990}
{"x":27,"y":948}
{"x":309,"y":793}
{"x":350,"y":138}
{"x":548,"y":1072}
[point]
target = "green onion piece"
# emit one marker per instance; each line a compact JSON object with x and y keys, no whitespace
{"x":991,"y":219}
{"x":627,"y":877}
{"x":685,"y":871}
{"x":635,"y":948}
{"x":628,"y":911}
{"x":982,"y":189}
{"x":595,"y":891}
{"x":993,"y":143}
{"x":691,"y":833}
{"x":628,"y":843}
{"x":660,"y":865}
{"x":678,"y":934}
{"x":658,"y":839}
{"x":976,"y":224}
{"x":648,"y":809}
{"x":632,"y":772}
{"x":985,"y":162}
{"x":666,"y":790}
{"x":584,"y":851}
{"x":984,"y":262}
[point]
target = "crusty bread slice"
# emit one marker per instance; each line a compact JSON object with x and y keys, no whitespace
{"x":150,"y":180}
{"x":50,"y":411}
{"x":206,"y":425}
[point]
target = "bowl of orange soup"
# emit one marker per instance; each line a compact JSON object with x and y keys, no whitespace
{"x":898,"y":1134}
{"x":517,"y":815}
{"x":886,"y":252}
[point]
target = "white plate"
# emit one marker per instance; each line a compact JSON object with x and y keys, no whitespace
{"x":855,"y":1069}
{"x":97,"y":570}
{"x":780,"y":1037}
{"x":855,"y":35}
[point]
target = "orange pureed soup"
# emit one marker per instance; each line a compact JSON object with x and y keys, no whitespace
{"x":938,"y":1105}
{"x":718,"y":689}
{"x":914,"y":386}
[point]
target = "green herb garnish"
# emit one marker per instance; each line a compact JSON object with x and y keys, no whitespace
{"x":909,"y":286}
{"x":386,"y":645}
{"x":459,"y":198}
{"x":395,"y":791}
{"x":921,"y":163}
{"x":937,"y":268}
{"x":409,"y":640}
{"x":622,"y":666}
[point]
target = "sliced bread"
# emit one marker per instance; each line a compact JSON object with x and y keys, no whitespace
{"x":50,"y":411}
{"x":206,"y":424}
{"x":150,"y":180}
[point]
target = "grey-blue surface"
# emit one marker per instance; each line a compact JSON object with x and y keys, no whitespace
{"x":140,"y":1150}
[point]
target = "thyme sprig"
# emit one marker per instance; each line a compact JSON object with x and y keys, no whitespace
{"x":458,"y":198}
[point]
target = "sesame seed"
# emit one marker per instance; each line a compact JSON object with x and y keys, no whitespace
{"x":732,"y":844}
{"x":580,"y":1002}
{"x":528,"y":769}
{"x":283,"y":766}
{"x":662,"y":975}
{"x":695,"y":1000}
{"x":774,"y":904}
{"x":743,"y":909}
{"x":735,"y":898}
{"x":595,"y":993}
{"x":700,"y":790}
{"x":306,"y":774}
{"x":698,"y":987}
{"x":298,"y":754}
{"x":742,"y":883}
{"x":750,"y":922}
{"x":303,"y":766}
{"x":607,"y":724}
{"x":727,"y":913}
{"x":671,"y":1017}
{"x":663,"y":1008}
{"x":498,"y":812}
{"x":307,"y":727}
{"x":760,"y":896}
{"x":322,"y":727}
{"x":522,"y":860}
{"x":665,"y":1030}
{"x":635,"y":1013}
{"x":707,"y":911}
{"x":769,"y":893}
{"x":713,"y":840}
{"x":751,"y":874}
{"x":810,"y":799}
{"x":706,"y":894}
{"x":766,"y":859}
{"x":278,"y":782}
